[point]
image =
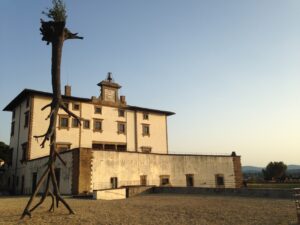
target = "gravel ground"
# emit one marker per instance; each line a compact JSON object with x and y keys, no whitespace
{"x":157,"y":209}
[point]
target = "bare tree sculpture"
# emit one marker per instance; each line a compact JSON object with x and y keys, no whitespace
{"x":54,"y":32}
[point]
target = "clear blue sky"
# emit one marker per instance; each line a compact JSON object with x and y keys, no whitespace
{"x":229,"y":69}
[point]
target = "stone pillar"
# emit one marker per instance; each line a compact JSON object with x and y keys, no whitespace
{"x":238,"y":175}
{"x":82,"y":171}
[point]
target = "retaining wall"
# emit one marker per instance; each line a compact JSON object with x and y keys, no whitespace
{"x":245,"y":192}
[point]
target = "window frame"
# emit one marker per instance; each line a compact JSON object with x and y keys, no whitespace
{"x":163,"y":177}
{"x":145,"y":116}
{"x":146,"y":149}
{"x":63,"y":147}
{"x":66,"y":104}
{"x":24,"y":152}
{"x":217,"y":179}
{"x":143,"y":129}
{"x":121,"y":112}
{"x":60,"y":122}
{"x":95,"y":110}
{"x":143,"y":180}
{"x":119,"y":124}
{"x":114,"y":182}
{"x":74,"y":106}
{"x":73,"y":124}
{"x":27,"y":102}
{"x":121,"y":147}
{"x":96,"y":146}
{"x":94,"y":125}
{"x":84,"y":124}
{"x":109,"y":147}
{"x":26,"y":119}
{"x":13,"y":114}
{"x":12,"y":129}
{"x":190,"y":183}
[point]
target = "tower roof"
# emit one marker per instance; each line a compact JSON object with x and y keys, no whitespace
{"x":109,"y":81}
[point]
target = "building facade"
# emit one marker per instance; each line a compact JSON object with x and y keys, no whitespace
{"x":115,"y":145}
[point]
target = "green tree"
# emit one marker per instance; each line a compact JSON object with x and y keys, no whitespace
{"x":5,"y":152}
{"x":275,"y":171}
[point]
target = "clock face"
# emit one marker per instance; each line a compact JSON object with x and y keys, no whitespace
{"x":110,"y":95}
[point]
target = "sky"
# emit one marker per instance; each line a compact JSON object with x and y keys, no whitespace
{"x":230,"y":70}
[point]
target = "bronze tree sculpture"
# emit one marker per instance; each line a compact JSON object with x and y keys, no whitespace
{"x":54,"y":32}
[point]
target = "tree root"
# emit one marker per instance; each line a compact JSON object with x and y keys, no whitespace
{"x":38,"y":187}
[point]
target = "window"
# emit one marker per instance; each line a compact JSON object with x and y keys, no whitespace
{"x":219,"y":180}
{"x":14,"y":114}
{"x":63,"y":122}
{"x":27,"y":102}
{"x":66,"y":104}
{"x":98,"y":125}
{"x":114,"y":182}
{"x":164,"y":180}
{"x":121,"y":148}
{"x":146,"y":116}
{"x":146,"y":149}
{"x":24,"y":152}
{"x":121,"y":113}
{"x":61,"y":147}
{"x":109,"y":147}
{"x":76,"y":106}
{"x":12,"y":129}
{"x":97,"y":146}
{"x":98,"y":110}
{"x":86,"y":124}
{"x":17,"y":181}
{"x":121,"y":128}
{"x":143,"y":179}
{"x":146,"y":130}
{"x":26,"y":121}
{"x":189,"y":180}
{"x":75,"y":123}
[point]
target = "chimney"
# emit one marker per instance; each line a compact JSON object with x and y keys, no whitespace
{"x":122,"y":99}
{"x":67,"y":90}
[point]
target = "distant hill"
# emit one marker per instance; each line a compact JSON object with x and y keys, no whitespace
{"x":251,"y":169}
{"x":256,"y":169}
{"x":293,"y":167}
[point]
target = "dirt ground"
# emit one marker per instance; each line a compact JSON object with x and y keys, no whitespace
{"x":157,"y":209}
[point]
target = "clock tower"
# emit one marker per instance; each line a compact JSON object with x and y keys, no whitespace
{"x":109,"y":90}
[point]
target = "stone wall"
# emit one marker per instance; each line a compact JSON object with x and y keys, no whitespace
{"x":238,"y":175}
{"x":37,"y":166}
{"x":82,"y":164}
{"x":244,"y":192}
{"x":128,"y":167}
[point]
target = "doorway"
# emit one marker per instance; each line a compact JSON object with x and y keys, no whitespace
{"x":34,"y":178}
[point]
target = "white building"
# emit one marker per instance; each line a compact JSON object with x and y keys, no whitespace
{"x":116,"y":145}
